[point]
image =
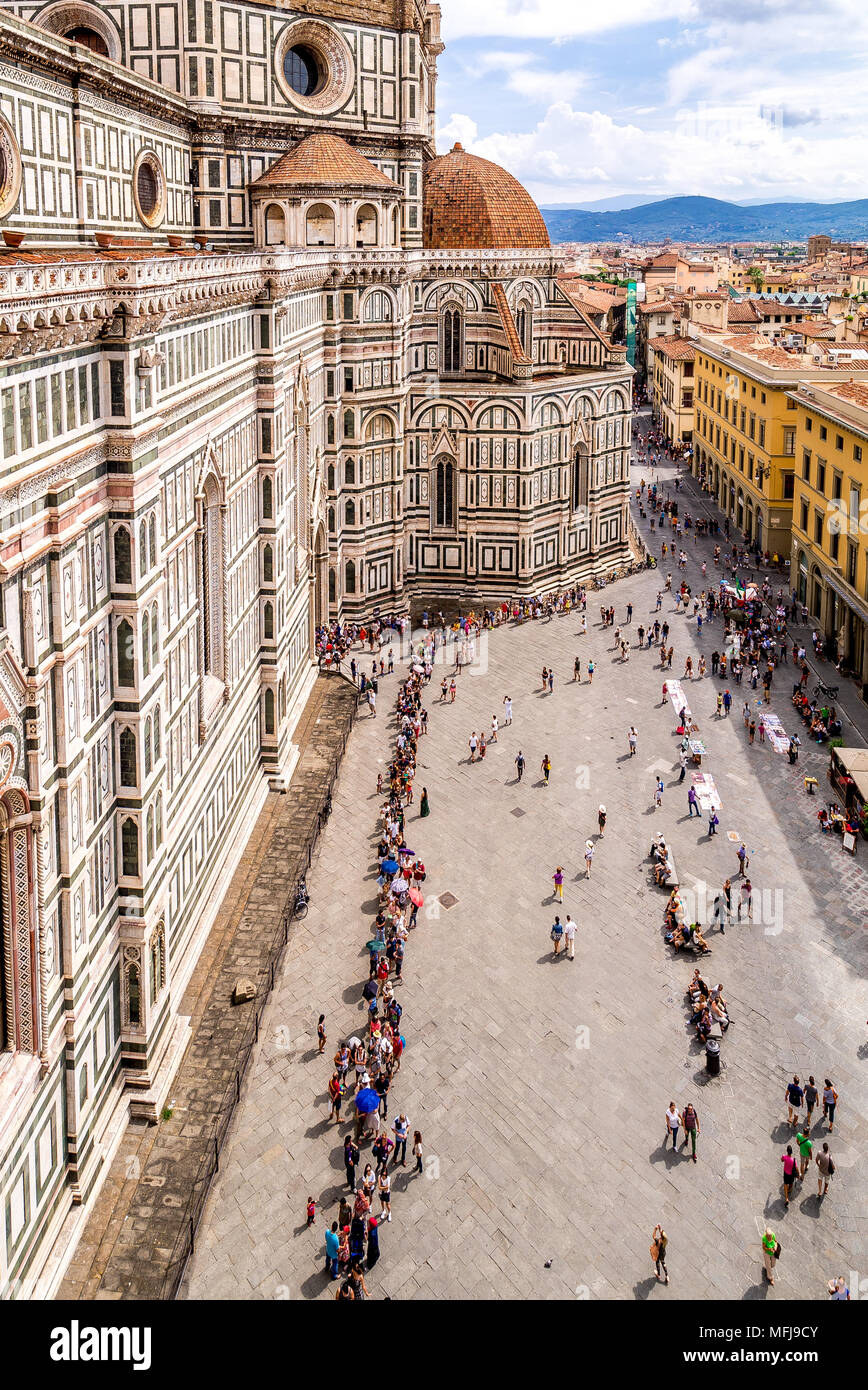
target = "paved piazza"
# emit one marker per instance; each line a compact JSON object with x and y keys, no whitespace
{"x":540,"y":1085}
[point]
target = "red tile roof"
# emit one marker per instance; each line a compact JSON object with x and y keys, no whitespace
{"x":470,"y":203}
{"x":854,"y":391}
{"x":324,"y":161}
{"x":674,"y":347}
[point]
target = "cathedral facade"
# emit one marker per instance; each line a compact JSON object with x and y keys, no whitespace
{"x":265,"y":361}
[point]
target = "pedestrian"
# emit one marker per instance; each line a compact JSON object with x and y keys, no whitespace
{"x":551,"y":681}
{"x":713,"y":821}
{"x":830,"y":1100}
{"x":336,"y":1092}
{"x":332,"y":1250}
{"x":546,"y":767}
{"x":311,"y":1210}
{"x":493,"y":738}
{"x":789,"y":1172}
{"x":727,"y":702}
{"x":743,"y":860}
{"x":825,"y":1170}
{"x":570,"y":937}
{"x":591,"y":669}
{"x":673,"y":1120}
{"x":577,"y":670}
{"x":806,"y":1146}
{"x":812,"y":1095}
{"x":633,"y":740}
{"x":658,"y":793}
{"x":751,"y":729}
{"x":424,"y":806}
{"x":545,"y":677}
{"x":601,"y":819}
{"x":719,"y":710}
{"x":384,"y":1187}
{"x":452,"y":689}
{"x":629,"y":612}
{"x":417,"y":1150}
{"x":321,"y":1034}
{"x":746,"y":900}
{"x":352,"y":1154}
{"x":682,"y":759}
{"x":507,"y":709}
{"x":557,"y":935}
{"x":691,"y":1128}
{"x":519,"y":763}
{"x":793,"y":1096}
{"x":401,"y":1128}
{"x":473,"y":744}
{"x":373,"y":1251}
{"x":589,"y":855}
{"x":659,"y":1242}
{"x":727,"y":897}
{"x":558,"y":877}
{"x":770,"y":1250}
{"x":693,"y":803}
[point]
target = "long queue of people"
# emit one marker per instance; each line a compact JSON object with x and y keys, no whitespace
{"x":374,"y":1053}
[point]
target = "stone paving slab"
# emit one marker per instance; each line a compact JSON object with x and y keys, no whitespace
{"x":540,"y":1085}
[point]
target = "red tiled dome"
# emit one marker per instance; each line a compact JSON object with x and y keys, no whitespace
{"x":472,"y":204}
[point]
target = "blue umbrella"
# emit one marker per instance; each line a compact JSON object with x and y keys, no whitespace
{"x":367,"y":1101}
{"x":389,"y":866}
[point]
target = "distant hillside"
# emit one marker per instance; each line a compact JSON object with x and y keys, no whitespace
{"x":711,"y":220}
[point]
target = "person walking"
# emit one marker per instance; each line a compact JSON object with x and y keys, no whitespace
{"x":452,"y":689}
{"x":691,"y":1128}
{"x":673,"y":1120}
{"x":557,"y":935}
{"x":713,"y":821}
{"x":577,"y":670}
{"x":633,"y":740}
{"x":693,"y":803}
{"x":473,"y":744}
{"x":793,"y":1096}
{"x":424,"y":805}
{"x":493,"y":738}
{"x":400,"y":1129}
{"x":519,"y":763}
{"x":789,"y":1175}
{"x":589,"y":856}
{"x":321,"y":1034}
{"x":558,"y":879}
{"x":591,"y":669}
{"x":806,"y":1147}
{"x":830,"y":1100}
{"x":551,"y":680}
{"x":352,"y":1154}
{"x":546,"y":767}
{"x":658,"y":793}
{"x":659,"y":1243}
{"x":746,"y":900}
{"x":727,"y":702}
{"x":825,"y":1170}
{"x":743,"y":860}
{"x":332,"y":1250}
{"x":417,"y":1150}
{"x":570,"y":937}
{"x":812,"y":1095}
{"x":682,"y":759}
{"x":770,"y":1249}
{"x":384,"y":1187}
{"x":601,"y":819}
{"x":507,"y":709}
{"x":336,"y":1092}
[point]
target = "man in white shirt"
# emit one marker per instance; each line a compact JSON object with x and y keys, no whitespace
{"x":570,"y":937}
{"x":507,"y":710}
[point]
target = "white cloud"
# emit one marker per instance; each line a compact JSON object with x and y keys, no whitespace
{"x":526,"y":79}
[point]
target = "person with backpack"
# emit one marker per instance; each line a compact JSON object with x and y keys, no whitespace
{"x":546,"y":767}
{"x":557,"y":935}
{"x":825,"y":1170}
{"x":519,"y":764}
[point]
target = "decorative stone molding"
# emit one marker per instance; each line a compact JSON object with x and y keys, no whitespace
{"x":74,"y":14}
{"x":10,"y":168}
{"x":151,"y":214}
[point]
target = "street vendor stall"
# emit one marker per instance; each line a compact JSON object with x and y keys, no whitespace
{"x":848,"y":773}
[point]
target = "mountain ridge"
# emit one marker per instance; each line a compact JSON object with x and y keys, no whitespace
{"x":697,"y":218}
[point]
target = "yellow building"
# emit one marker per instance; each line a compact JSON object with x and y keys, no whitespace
{"x":671,"y":363}
{"x":830,"y":516}
{"x":744,"y":438}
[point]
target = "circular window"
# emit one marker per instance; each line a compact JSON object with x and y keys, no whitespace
{"x":149,"y":188}
{"x":10,"y":168}
{"x":303,"y":70}
{"x":313,"y":66}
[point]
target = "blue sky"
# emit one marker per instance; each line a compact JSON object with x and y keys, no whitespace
{"x":729,"y":98}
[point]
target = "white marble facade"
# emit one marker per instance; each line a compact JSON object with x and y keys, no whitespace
{"x":205,"y":450}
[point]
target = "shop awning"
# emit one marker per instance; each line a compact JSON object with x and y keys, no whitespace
{"x":839,"y":587}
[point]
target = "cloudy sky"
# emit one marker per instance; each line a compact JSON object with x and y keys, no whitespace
{"x":586,"y":99}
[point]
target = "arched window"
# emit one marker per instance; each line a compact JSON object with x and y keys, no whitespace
{"x":130,"y":848}
{"x":149,"y":836}
{"x":155,"y":637}
{"x":268,"y":565}
{"x":320,"y":225}
{"x":158,"y":815}
{"x":350,"y":512}
{"x":580,"y":478}
{"x":395,"y":228}
{"x":452,"y":340}
{"x":275,"y":225}
{"x":134,"y":994}
{"x":366,"y":226}
{"x":143,"y":547}
{"x":349,"y":577}
{"x":158,"y":962}
{"x":152,"y":542}
{"x":123,"y":556}
{"x":127,"y":751}
{"x":268,"y":622}
{"x":148,"y":736}
{"x":267,"y":498}
{"x":524,"y":324}
{"x":157,"y":734}
{"x":211,"y":561}
{"x":349,"y":425}
{"x":269,"y":711}
{"x":444,"y":494}
{"x":349,"y":471}
{"x":330,"y":429}
{"x":330,"y":478}
{"x":332,"y":587}
{"x":89,"y":38}
{"x":19,"y":967}
{"x":146,"y":644}
{"x":125,"y":650}
{"x":377,"y":308}
{"x":331,"y":520}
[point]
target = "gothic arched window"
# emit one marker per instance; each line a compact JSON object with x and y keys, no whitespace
{"x":349,"y":577}
{"x":268,"y":622}
{"x":350,"y":512}
{"x":157,"y":734}
{"x":123,"y":556}
{"x":146,"y":644}
{"x":268,"y":565}
{"x":127,"y":749}
{"x":125,"y":650}
{"x":452,"y":340}
{"x":211,"y":560}
{"x":580,"y":479}
{"x":19,"y":972}
{"x":444,"y":494}
{"x":269,"y":711}
{"x":349,"y":471}
{"x":130,"y":848}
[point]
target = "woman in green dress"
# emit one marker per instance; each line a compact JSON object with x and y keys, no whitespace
{"x":424,"y":808}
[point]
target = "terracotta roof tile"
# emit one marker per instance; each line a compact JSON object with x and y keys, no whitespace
{"x":470,"y":203}
{"x":672,"y":346}
{"x":324,"y":161}
{"x":854,"y":391}
{"x":743,"y":311}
